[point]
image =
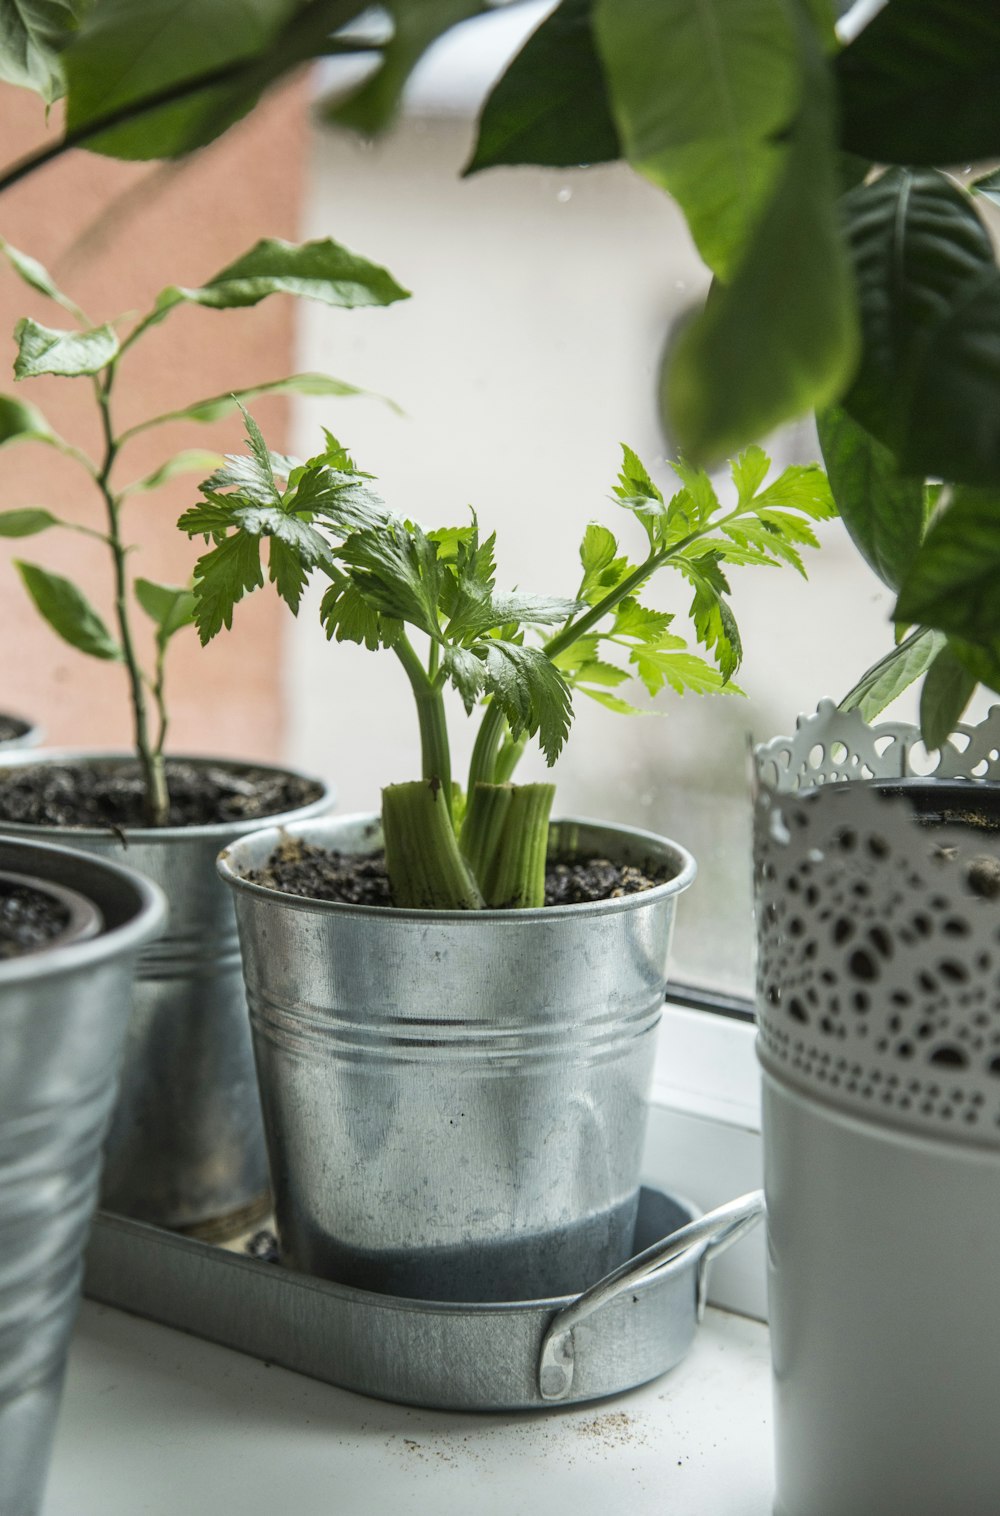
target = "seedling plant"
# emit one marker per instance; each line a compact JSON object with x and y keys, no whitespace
{"x":518,"y":658}
{"x":321,"y":270}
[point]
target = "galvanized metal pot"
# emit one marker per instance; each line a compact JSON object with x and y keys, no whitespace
{"x":186,"y":1147}
{"x":455,"y":1102}
{"x":63,"y":1014}
{"x":27,"y":734}
{"x":879,"y":951}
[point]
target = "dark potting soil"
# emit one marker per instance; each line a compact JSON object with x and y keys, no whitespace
{"x":28,"y":919}
{"x":10,"y":728}
{"x":108,"y":793}
{"x":298,"y":868}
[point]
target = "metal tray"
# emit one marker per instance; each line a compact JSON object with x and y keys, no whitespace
{"x":628,"y":1328}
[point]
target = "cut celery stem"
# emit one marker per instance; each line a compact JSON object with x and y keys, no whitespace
{"x":485,"y":818}
{"x":515,"y":877}
{"x":426,"y":870}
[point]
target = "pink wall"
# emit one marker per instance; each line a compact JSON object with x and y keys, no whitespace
{"x":146,"y":227}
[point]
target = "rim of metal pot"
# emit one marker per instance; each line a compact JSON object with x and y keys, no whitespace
{"x":84,"y":919}
{"x":86,"y":871}
{"x":221,"y":831}
{"x":687,"y":869}
{"x":30,"y":733}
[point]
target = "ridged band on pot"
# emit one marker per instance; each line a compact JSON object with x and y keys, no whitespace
{"x":878,"y":970}
{"x":186,"y":1147}
{"x":63,"y":1016}
{"x":455,"y":1102}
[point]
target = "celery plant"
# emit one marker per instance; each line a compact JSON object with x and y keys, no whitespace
{"x":390,"y":581}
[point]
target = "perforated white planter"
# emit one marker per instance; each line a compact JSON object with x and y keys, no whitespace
{"x":879,"y":1011}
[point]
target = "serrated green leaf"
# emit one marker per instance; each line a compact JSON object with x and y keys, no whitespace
{"x":681,"y":669}
{"x":550,"y":106}
{"x":170,"y":607}
{"x":466,"y":673}
{"x":395,"y":568}
{"x":597,"y":671}
{"x":882,"y":510}
{"x":29,"y":269}
{"x":946,"y":691}
{"x":46,"y":350}
{"x":749,"y":471}
{"x":633,"y":620}
{"x":928,"y":386}
{"x":191,"y":461}
{"x":714,"y":622}
{"x":222,"y":576}
{"x":803,"y":486}
{"x":26,"y":522}
{"x":952,"y":581}
{"x":346,"y":615}
{"x":894,"y":673}
{"x":33,"y":33}
{"x":68,"y":612}
{"x":530,"y":691}
{"x":614,"y":702}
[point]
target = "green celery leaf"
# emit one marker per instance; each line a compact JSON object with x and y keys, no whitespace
{"x":34,"y":273}
{"x":286,"y":569}
{"x":782,"y":336}
{"x":714,"y":622}
{"x":803,"y":487}
{"x":395,"y":568}
{"x":26,"y":522}
{"x":952,"y":581}
{"x":169,"y":606}
{"x":749,"y":471}
{"x":33,"y":33}
{"x":372,"y":107}
{"x":530,"y":691}
{"x":633,"y":620}
{"x":894,"y":673}
{"x":682,"y":670}
{"x":46,"y":350}
{"x":222,"y":576}
{"x":882,"y":510}
{"x":918,"y":84}
{"x":946,"y":691}
{"x":68,"y":612}
{"x":346,"y":615}
{"x":466,"y":673}
{"x":700,"y":94}
{"x":765,"y":540}
{"x":614,"y":702}
{"x":596,"y":671}
{"x":550,"y":107}
{"x":928,"y":284}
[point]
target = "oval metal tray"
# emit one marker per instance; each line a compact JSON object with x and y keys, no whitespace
{"x":628,"y":1328}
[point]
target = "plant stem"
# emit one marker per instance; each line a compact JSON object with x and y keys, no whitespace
{"x":156,"y":801}
{"x":516,"y":873}
{"x":435,"y":753}
{"x":485,"y":818}
{"x":426,"y":870}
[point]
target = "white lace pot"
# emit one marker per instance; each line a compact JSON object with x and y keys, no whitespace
{"x":879,"y":1014}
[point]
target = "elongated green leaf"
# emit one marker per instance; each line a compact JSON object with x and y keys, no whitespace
{"x":217,"y":406}
{"x":551,"y":106}
{"x":782,"y":337}
{"x":37,"y":276}
{"x":46,"y":350}
{"x":894,"y":673}
{"x":946,"y":692}
{"x":32,"y":35}
{"x":700,"y":94}
{"x":27,"y":522}
{"x":20,"y":422}
{"x":68,"y":612}
{"x":982,"y":663}
{"x":322,"y":270}
{"x":191,"y":461}
{"x":952,"y":583}
{"x":882,"y":510}
{"x":372,"y":107}
{"x":928,"y":386}
{"x":918,"y":85}
{"x":170,"y":606}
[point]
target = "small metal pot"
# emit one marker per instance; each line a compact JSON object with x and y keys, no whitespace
{"x":27,"y":734}
{"x":63,"y":1014}
{"x":455,"y":1101}
{"x":185,"y":1148}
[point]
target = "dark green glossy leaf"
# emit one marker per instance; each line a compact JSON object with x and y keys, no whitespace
{"x":700,"y":93}
{"x":928,"y":386}
{"x":882,"y":510}
{"x":983,"y":663}
{"x":68,"y":612}
{"x":33,"y":33}
{"x":919,"y":83}
{"x":551,"y":106}
{"x":894,"y":673}
{"x":372,"y":107}
{"x":46,"y":350}
{"x":946,"y":692}
{"x":782,"y":337}
{"x":952,"y":583}
{"x":27,"y":522}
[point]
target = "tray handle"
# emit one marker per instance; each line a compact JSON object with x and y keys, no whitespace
{"x":713,"y":1233}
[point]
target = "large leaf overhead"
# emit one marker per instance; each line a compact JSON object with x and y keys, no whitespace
{"x":952,"y":584}
{"x":32,"y":35}
{"x":919,"y":84}
{"x":782,"y":336}
{"x":550,"y":107}
{"x":929,"y":293}
{"x":882,"y":509}
{"x":371,"y":108}
{"x":700,"y":92}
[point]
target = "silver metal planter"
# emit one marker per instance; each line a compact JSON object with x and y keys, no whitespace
{"x":455,"y":1102}
{"x":880,"y":1044}
{"x":63,"y":1015}
{"x":185,"y":1148}
{"x":27,"y":735}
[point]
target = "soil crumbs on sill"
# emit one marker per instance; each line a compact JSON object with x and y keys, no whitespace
{"x":108,"y":793}
{"x":298,"y":868}
{"x":28,"y":919}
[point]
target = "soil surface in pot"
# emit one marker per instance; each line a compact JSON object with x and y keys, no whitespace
{"x":298,"y":868}
{"x":28,"y":919}
{"x":108,"y":793}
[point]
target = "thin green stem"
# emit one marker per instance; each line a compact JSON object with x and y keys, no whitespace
{"x":157,"y":802}
{"x":435,"y":753}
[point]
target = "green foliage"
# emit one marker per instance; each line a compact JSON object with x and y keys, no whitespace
{"x":32,"y":35}
{"x":27,"y":522}
{"x":373,"y":106}
{"x":883,"y":510}
{"x":46,"y":350}
{"x":68,"y":612}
